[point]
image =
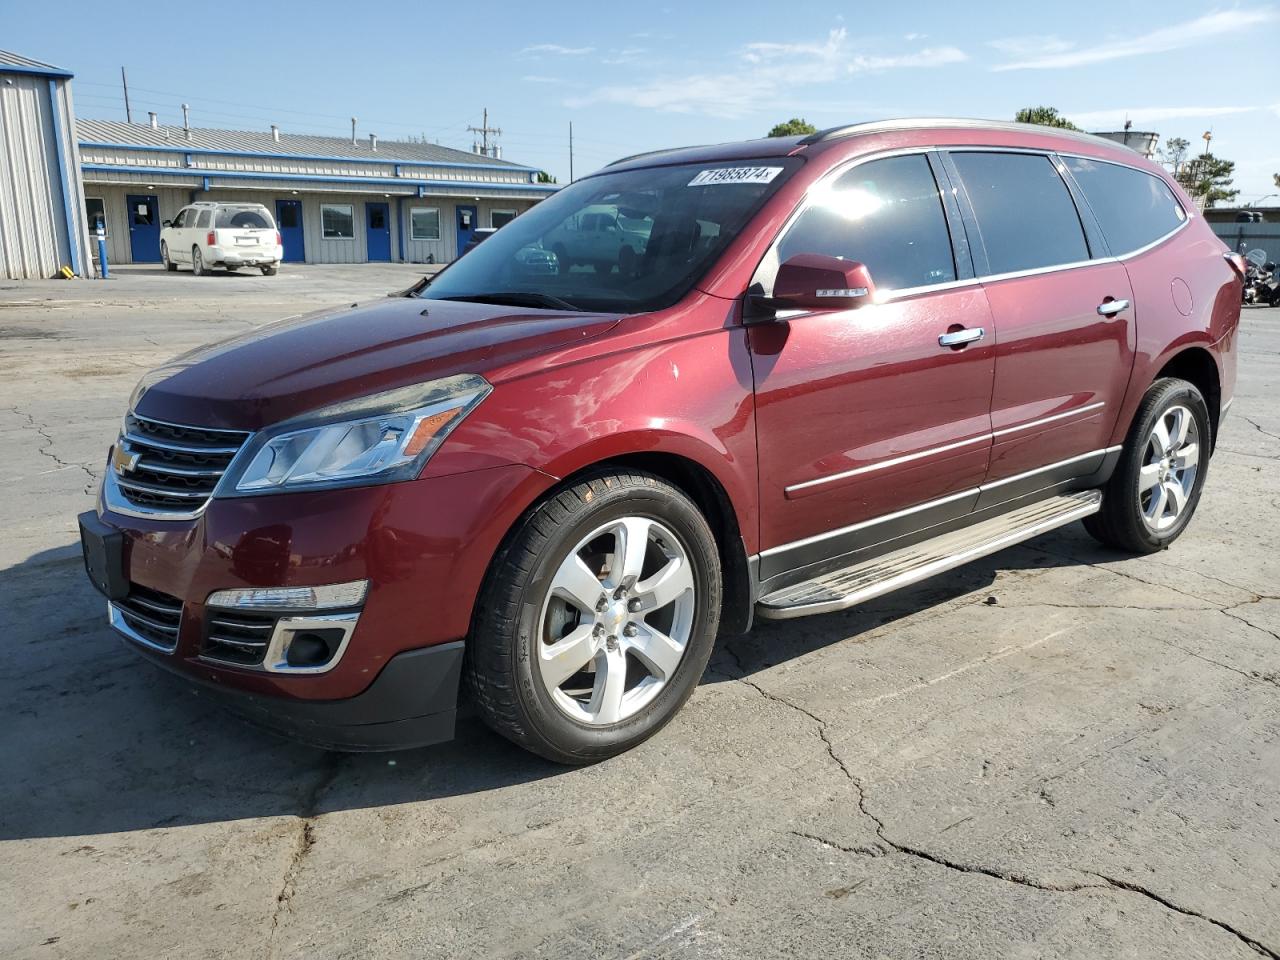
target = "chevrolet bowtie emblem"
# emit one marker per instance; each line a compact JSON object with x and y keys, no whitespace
{"x":123,"y":461}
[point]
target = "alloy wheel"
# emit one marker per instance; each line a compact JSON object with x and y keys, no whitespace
{"x":616,"y":621}
{"x":1170,"y":463}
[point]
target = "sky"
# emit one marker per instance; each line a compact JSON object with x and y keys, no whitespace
{"x":641,"y":76}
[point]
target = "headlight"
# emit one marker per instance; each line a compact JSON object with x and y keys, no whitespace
{"x":378,"y":439}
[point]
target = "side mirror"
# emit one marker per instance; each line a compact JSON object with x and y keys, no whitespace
{"x":812,"y":281}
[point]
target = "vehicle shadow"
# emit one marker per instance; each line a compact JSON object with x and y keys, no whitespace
{"x":95,"y":741}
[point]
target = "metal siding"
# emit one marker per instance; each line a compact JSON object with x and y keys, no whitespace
{"x":32,"y":233}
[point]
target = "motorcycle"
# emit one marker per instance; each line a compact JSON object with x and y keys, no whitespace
{"x":1261,"y":282}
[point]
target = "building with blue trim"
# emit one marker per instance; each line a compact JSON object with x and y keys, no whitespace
{"x":42,"y":218}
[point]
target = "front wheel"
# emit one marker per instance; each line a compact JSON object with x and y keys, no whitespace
{"x":1155,"y":489}
{"x":597,"y":618}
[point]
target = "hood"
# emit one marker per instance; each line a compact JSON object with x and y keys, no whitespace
{"x":288,"y":368}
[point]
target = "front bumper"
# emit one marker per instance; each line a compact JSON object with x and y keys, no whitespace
{"x":423,"y":546}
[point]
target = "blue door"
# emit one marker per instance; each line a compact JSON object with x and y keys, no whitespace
{"x":378,"y":225}
{"x":144,"y":229}
{"x":289,"y":222}
{"x":466,"y":226}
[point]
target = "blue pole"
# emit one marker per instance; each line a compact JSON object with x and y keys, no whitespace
{"x":102,"y":254}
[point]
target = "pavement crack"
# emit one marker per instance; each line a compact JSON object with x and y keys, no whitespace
{"x":304,"y":840}
{"x":46,"y":449}
{"x":1254,"y":423}
{"x":1168,"y":904}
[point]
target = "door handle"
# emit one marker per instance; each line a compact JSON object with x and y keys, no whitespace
{"x":1109,"y":308}
{"x":959,"y":338}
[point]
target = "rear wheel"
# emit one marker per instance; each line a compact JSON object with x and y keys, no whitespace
{"x":164,"y":256}
{"x":197,"y":263}
{"x":269,"y":271}
{"x":597,"y":618}
{"x":1155,"y":489}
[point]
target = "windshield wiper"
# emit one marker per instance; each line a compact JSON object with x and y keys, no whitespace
{"x":514,"y":299}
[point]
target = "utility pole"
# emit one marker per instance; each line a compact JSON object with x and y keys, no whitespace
{"x":571,"y":151}
{"x":128,"y":113}
{"x":484,"y":130}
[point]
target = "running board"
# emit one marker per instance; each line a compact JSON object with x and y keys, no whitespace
{"x":845,"y":588}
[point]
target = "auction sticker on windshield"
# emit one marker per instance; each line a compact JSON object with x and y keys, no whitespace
{"x":711,"y":178}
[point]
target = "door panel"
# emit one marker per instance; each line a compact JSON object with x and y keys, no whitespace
{"x":466,"y":219}
{"x":144,"y":228}
{"x":292,"y":237}
{"x":861,"y":414}
{"x":378,"y":228}
{"x":1061,"y":368}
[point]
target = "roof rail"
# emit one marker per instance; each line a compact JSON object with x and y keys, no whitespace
{"x":915,"y":123}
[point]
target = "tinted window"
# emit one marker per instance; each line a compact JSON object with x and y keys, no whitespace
{"x":181,"y":218}
{"x":289,"y":215}
{"x":886,"y":214}
{"x":203,"y":220}
{"x":1026,"y":216}
{"x":244,"y":218}
{"x":1133,"y":208}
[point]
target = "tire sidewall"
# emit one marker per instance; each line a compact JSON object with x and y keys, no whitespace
{"x":1164,"y":395}
{"x":584,"y":742}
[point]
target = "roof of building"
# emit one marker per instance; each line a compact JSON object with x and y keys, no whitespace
{"x":118,"y":133}
{"x":27,"y":65}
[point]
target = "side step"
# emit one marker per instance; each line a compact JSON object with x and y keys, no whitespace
{"x":845,"y":588}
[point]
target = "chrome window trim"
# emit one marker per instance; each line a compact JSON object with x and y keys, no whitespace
{"x":118,"y":623}
{"x":950,"y":498}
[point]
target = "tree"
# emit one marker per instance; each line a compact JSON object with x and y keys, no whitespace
{"x":1174,"y":153}
{"x":1045,"y":116}
{"x":795,"y":127}
{"x":1208,"y":178}
{"x":544,"y":177}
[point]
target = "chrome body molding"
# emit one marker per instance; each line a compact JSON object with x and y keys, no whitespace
{"x":273,"y":660}
{"x":116,"y":618}
{"x":948,"y":447}
{"x":931,"y":504}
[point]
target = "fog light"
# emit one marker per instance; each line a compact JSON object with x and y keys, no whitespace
{"x":312,"y":648}
{"x":292,"y":598}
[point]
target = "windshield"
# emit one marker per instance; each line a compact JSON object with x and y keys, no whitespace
{"x":248,"y":218}
{"x":626,"y":242}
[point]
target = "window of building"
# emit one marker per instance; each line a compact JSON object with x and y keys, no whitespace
{"x":337,"y":221}
{"x":95,"y":212}
{"x":424,"y":223}
{"x":1026,"y":216}
{"x":203,"y":221}
{"x":886,"y":214}
{"x":1133,"y":208}
{"x":500,"y":218}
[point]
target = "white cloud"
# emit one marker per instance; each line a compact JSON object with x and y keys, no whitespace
{"x":1058,"y":53}
{"x":628,"y":55}
{"x":1144,"y":116}
{"x":557,"y":50}
{"x":765,"y":74}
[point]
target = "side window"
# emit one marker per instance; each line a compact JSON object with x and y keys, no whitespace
{"x":180,"y":219}
{"x":206,"y":216}
{"x":886,"y":214}
{"x":1133,"y":208}
{"x":1026,"y":216}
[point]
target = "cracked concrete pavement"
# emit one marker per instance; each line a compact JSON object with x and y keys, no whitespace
{"x":1058,"y":751}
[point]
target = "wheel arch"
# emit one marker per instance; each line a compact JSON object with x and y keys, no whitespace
{"x":1197,"y":366}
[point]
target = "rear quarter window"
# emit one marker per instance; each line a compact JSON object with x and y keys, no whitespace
{"x":1132,"y":207}
{"x":1026,"y":217}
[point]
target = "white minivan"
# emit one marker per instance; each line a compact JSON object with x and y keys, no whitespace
{"x":230,"y":235}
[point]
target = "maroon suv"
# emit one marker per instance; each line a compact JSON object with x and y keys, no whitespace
{"x":818,"y":369}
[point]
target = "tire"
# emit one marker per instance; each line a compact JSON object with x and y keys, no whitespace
{"x":230,"y":269}
{"x":1144,"y":521}
{"x":197,"y":263}
{"x":269,"y":271}
{"x":164,"y":256}
{"x":525,"y":610}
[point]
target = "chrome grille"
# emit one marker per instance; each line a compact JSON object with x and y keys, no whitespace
{"x":151,"y":616}
{"x":237,"y":636}
{"x":166,"y":468}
